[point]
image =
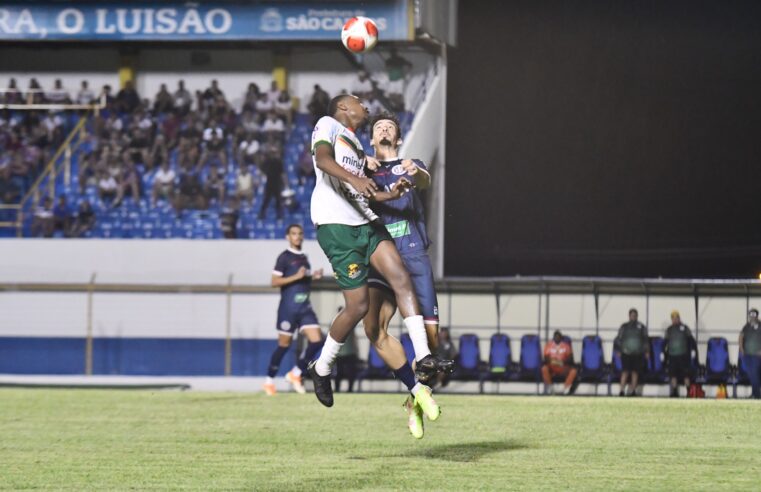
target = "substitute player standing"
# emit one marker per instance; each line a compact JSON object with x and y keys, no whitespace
{"x":351,"y":238}
{"x":404,"y":218}
{"x":293,"y":275}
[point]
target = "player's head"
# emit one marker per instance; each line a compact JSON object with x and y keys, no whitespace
{"x":385,"y":131}
{"x":557,"y":336}
{"x":753,"y":315}
{"x":675,"y":318}
{"x":633,"y":314}
{"x":295,"y":235}
{"x":349,"y":110}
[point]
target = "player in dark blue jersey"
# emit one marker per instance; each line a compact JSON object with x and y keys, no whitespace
{"x":404,"y":218}
{"x":293,"y":275}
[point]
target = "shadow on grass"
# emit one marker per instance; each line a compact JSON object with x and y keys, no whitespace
{"x":465,"y":452}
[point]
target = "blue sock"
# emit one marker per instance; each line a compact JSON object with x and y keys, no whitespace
{"x":309,"y":353}
{"x":406,"y":375}
{"x":277,"y":357}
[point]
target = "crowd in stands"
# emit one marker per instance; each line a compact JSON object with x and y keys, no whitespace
{"x":188,"y":150}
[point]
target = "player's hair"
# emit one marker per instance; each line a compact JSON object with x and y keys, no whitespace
{"x":291,"y":226}
{"x":386,"y":116}
{"x":333,"y":106}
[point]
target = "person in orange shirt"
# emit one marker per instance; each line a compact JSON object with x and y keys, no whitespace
{"x":558,"y":361}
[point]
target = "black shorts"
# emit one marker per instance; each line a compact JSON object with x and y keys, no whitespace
{"x":679,"y":366}
{"x":634,"y":363}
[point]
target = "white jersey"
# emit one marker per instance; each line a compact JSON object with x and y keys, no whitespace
{"x":333,"y":201}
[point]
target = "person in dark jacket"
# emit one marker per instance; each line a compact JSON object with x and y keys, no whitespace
{"x":633,"y":346}
{"x":678,"y":347}
{"x":750,"y":351}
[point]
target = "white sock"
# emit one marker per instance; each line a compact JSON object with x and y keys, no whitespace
{"x":296,"y":371}
{"x":416,"y":329}
{"x":416,"y":388}
{"x":269,"y":380}
{"x":328,"y":356}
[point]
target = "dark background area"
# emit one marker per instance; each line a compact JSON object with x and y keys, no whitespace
{"x":604,"y":138}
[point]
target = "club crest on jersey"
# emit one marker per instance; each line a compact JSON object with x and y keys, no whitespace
{"x":398,"y":170}
{"x":353,"y":271}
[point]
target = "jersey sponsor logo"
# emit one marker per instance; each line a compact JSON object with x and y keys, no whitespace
{"x":398,"y":170}
{"x":300,"y":297}
{"x":285,"y":325}
{"x":351,"y":161}
{"x":353,"y":271}
{"x":398,"y":229}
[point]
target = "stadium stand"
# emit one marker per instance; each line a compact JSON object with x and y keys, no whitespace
{"x":115,"y":160}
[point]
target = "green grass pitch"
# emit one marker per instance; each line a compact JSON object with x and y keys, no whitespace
{"x":150,"y":440}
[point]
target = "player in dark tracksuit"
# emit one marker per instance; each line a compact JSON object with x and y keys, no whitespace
{"x":293,"y":275}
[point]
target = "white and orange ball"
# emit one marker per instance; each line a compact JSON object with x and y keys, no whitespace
{"x":359,"y":34}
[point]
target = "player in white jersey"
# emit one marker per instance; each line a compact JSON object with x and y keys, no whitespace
{"x":352,"y":239}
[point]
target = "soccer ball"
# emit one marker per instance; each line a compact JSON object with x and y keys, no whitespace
{"x":359,"y":34}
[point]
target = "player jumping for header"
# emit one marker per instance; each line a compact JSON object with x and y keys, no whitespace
{"x":404,"y":219}
{"x":352,"y":239}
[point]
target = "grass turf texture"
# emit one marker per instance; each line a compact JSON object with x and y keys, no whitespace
{"x":105,"y":440}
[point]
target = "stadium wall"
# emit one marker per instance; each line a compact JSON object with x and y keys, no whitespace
{"x":183,"y":332}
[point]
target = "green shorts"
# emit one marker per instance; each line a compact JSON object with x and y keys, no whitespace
{"x":349,"y":249}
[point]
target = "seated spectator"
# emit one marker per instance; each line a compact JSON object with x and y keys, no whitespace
{"x":158,"y":153}
{"x":678,"y":347}
{"x":107,"y":187}
{"x":138,"y":147}
{"x":305,"y":171}
{"x":264,"y":106}
{"x":250,"y":97}
{"x":163,"y":102}
{"x":35,"y":94}
{"x":10,"y":192}
{"x":373,"y":105}
{"x":247,"y":127}
{"x":108,"y":97}
{"x":248,"y":151}
{"x":214,"y":187}
{"x":127,"y":100}
{"x":245,"y":185}
{"x":274,"y":126}
{"x":272,"y":167}
{"x":85,"y":94}
{"x":182,"y":99}
{"x":83,"y":221}
{"x":190,"y":193}
{"x":62,"y":215}
{"x":284,"y":108}
{"x":12,"y":94}
{"x":558,"y":361}
{"x":128,"y":183}
{"x":43,"y":223}
{"x":750,"y":351}
{"x":633,"y":346}
{"x":318,"y":103}
{"x":219,"y":109}
{"x":273,"y":94}
{"x":163,"y":183}
{"x":228,"y":219}
{"x":214,"y":146}
{"x":58,"y":95}
{"x":213,"y":92}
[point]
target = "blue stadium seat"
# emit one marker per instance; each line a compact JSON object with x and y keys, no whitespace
{"x":592,"y":360}
{"x":500,"y":355}
{"x":469,"y":365}
{"x":375,"y":369}
{"x":718,"y":368}
{"x":531,"y":358}
{"x":409,"y":349}
{"x":656,"y":366}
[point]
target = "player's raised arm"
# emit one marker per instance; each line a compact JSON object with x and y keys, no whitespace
{"x":417,"y":171}
{"x":326,"y":163}
{"x":397,"y":190}
{"x":280,"y":280}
